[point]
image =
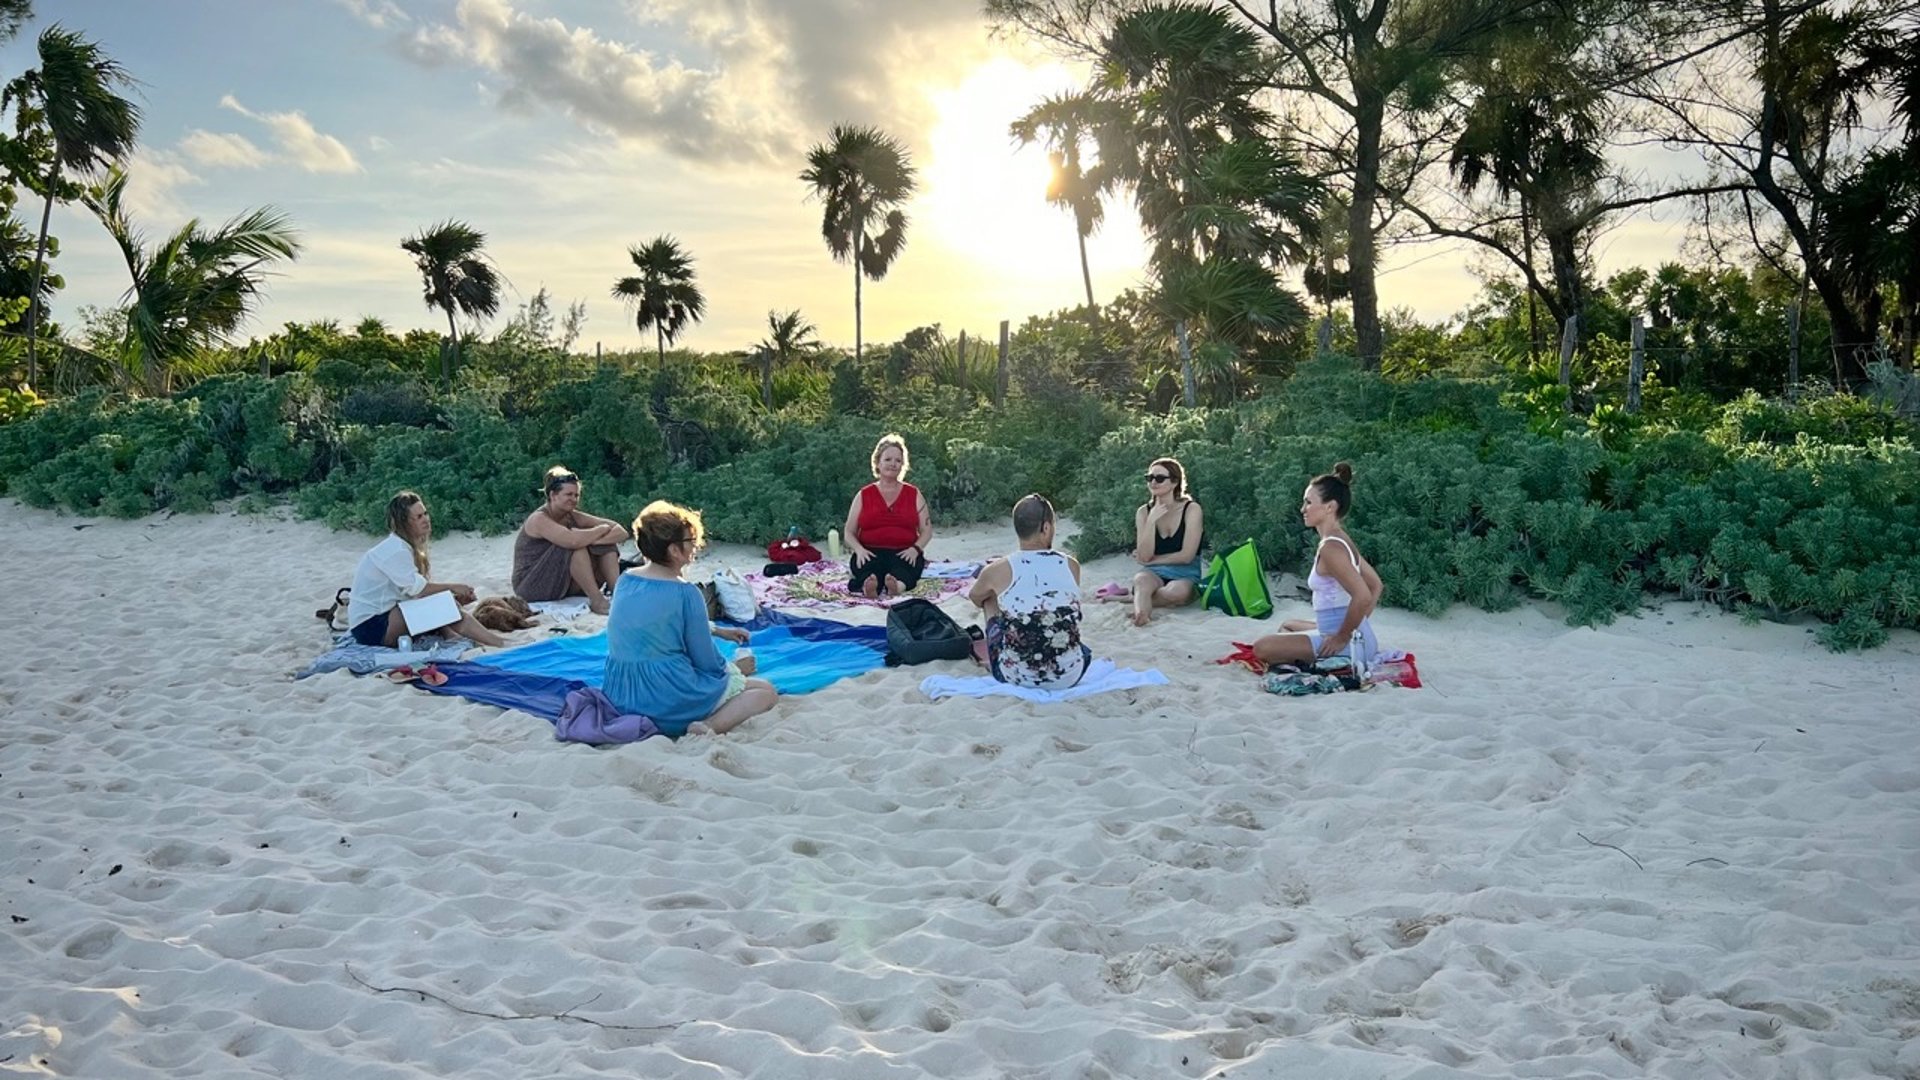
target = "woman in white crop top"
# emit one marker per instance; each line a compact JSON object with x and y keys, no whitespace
{"x":1345,"y":587}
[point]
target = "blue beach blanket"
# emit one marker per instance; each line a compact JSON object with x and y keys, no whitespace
{"x":798,"y":656}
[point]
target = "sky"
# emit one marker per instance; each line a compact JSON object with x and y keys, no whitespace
{"x":569,"y":131}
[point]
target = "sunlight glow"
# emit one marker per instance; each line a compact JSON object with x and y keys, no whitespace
{"x":986,"y":202}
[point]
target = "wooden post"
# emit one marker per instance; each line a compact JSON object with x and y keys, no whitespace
{"x":1793,"y":350}
{"x":1636,"y":364}
{"x":1568,"y":335}
{"x":1323,"y":338}
{"x":1189,"y":393}
{"x":1000,"y":379}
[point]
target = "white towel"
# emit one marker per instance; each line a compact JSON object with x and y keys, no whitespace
{"x":948,"y":569}
{"x":1101,"y":676}
{"x":560,"y":611}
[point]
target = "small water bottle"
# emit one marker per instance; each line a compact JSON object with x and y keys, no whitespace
{"x":405,"y":644}
{"x":833,"y":542}
{"x":793,"y":532}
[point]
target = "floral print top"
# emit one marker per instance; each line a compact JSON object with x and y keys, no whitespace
{"x":1039,"y":633}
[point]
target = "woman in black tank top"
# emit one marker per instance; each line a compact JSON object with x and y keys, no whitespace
{"x":1168,"y":531}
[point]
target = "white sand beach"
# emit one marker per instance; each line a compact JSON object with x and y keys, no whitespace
{"x":1677,"y":846}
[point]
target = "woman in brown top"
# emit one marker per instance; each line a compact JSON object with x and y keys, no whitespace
{"x":564,"y":551}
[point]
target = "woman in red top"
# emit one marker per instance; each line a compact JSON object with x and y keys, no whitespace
{"x":888,"y":527}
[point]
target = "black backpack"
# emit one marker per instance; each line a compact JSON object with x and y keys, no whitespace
{"x":918,"y":631}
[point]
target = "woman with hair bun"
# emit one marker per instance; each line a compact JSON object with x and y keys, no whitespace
{"x":1345,"y":587}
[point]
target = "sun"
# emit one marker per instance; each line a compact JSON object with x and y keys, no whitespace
{"x":985,"y":202}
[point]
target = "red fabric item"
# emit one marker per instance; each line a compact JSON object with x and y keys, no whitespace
{"x":1402,"y":672}
{"x":795,"y":551}
{"x":1243,"y":654}
{"x":893,"y":527}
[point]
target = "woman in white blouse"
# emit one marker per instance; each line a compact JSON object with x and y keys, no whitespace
{"x":395,"y":570}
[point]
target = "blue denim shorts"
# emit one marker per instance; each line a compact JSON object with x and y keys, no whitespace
{"x":1179,"y":571}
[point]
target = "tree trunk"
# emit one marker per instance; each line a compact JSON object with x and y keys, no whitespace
{"x":1533,"y":302}
{"x":1189,"y":393}
{"x":1369,"y":117}
{"x":659,"y":347}
{"x":33,"y":294}
{"x":1636,"y":363}
{"x":857,"y":237}
{"x":1086,"y":276}
{"x":453,"y":347}
{"x":1793,"y":347}
{"x":766,"y":378}
{"x":1569,"y":337}
{"x":1562,"y":249}
{"x":1000,"y":375}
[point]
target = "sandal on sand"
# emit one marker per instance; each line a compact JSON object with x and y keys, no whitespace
{"x":1113,"y":590}
{"x":430,"y":675}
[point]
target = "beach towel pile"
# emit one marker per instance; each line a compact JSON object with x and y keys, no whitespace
{"x":824,"y":585}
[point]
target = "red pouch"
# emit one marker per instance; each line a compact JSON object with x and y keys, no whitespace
{"x":794,"y":550}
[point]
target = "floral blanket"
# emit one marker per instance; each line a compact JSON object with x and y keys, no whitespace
{"x":824,"y":584}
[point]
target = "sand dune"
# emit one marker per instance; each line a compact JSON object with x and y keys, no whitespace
{"x":1677,"y":847}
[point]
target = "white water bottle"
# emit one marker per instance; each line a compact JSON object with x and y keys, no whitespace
{"x":833,"y":542}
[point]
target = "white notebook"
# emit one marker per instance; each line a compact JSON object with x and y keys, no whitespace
{"x":430,"y":612}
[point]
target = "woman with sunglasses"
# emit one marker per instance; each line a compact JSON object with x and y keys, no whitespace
{"x":1168,"y":529}
{"x":661,"y":662}
{"x":561,"y":550}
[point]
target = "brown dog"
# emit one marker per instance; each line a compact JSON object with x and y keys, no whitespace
{"x":504,"y":614}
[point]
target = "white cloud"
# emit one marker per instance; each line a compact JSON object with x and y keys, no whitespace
{"x":376,"y":143}
{"x":299,"y":142}
{"x":153,"y":177}
{"x":222,"y":150}
{"x":758,"y":81}
{"x":378,"y":14}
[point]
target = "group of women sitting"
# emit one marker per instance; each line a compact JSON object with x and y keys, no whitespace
{"x":661,"y":660}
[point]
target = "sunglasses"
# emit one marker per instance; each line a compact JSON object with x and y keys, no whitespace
{"x":555,"y":483}
{"x":1158,"y":478}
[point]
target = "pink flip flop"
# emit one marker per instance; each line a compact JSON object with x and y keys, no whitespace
{"x":1113,"y":590}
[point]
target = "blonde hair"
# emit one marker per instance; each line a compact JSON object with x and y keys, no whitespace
{"x":661,"y":524}
{"x":890,"y":439}
{"x":400,"y":524}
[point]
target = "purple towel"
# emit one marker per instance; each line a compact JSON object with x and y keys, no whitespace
{"x":591,"y":717}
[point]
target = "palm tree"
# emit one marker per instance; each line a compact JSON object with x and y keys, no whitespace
{"x":664,"y":295}
{"x":1067,"y":123}
{"x":863,"y":177}
{"x":69,"y":121}
{"x":1222,"y":201}
{"x":193,"y":289}
{"x":788,"y":337}
{"x":457,"y":276}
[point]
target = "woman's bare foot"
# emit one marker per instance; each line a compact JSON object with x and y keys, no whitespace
{"x":894,"y":588}
{"x":870,"y":588}
{"x":598,"y":604}
{"x":1142,"y":616}
{"x":980,"y":652}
